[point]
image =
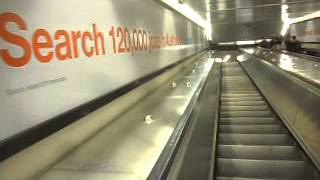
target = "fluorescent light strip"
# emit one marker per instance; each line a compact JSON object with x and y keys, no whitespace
{"x":238,"y":43}
{"x":260,"y":40}
{"x":287,"y":21}
{"x":226,"y":43}
{"x":245,"y":42}
{"x":306,"y":17}
{"x":191,"y":14}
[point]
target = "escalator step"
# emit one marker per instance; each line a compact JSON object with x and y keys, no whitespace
{"x":244,"y":103}
{"x":225,"y":114}
{"x":252,"y":129}
{"x":247,"y":120}
{"x":238,"y":88}
{"x":234,"y":91}
{"x":254,"y":139}
{"x":262,"y":168}
{"x":244,"y":98}
{"x":244,"y":108}
{"x":260,"y":152}
{"x":255,"y":94}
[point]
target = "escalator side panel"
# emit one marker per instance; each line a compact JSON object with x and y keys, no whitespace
{"x":197,"y":153}
{"x":295,"y":101}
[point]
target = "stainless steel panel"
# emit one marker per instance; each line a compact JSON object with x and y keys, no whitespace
{"x":301,"y":9}
{"x":245,"y":31}
{"x":296,"y":102}
{"x":198,"y":145}
{"x":129,"y":147}
{"x":307,"y":69}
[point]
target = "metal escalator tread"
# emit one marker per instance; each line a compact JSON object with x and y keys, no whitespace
{"x":252,"y":142}
{"x":258,"y":113}
{"x":243,"y":103}
{"x":244,"y":108}
{"x":240,"y":94}
{"x":252,"y":129}
{"x":257,"y":98}
{"x":262,"y":168}
{"x":259,"y":152}
{"x":247,"y":121}
{"x":254,"y":139}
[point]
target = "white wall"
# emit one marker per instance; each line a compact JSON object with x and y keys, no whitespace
{"x":36,"y":88}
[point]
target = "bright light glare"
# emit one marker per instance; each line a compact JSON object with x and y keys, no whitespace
{"x":285,"y":7}
{"x":226,"y":58}
{"x":191,"y":14}
{"x":306,"y":17}
{"x":260,"y":40}
{"x":239,"y":43}
{"x":245,"y":42}
{"x":284,"y":57}
{"x":249,"y":50}
{"x":285,"y":28}
{"x":285,"y":19}
{"x":286,"y":64}
{"x":226,"y":43}
{"x":218,"y":60}
{"x":241,"y":58}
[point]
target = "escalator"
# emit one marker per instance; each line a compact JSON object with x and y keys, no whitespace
{"x":252,"y":143}
{"x":205,"y":121}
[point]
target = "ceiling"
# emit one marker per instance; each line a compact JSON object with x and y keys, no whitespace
{"x":249,"y":19}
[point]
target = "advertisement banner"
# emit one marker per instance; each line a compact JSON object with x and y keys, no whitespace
{"x":56,"y":55}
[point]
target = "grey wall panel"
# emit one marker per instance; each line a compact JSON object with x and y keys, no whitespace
{"x":306,"y":31}
{"x":245,"y":31}
{"x":34,"y":89}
